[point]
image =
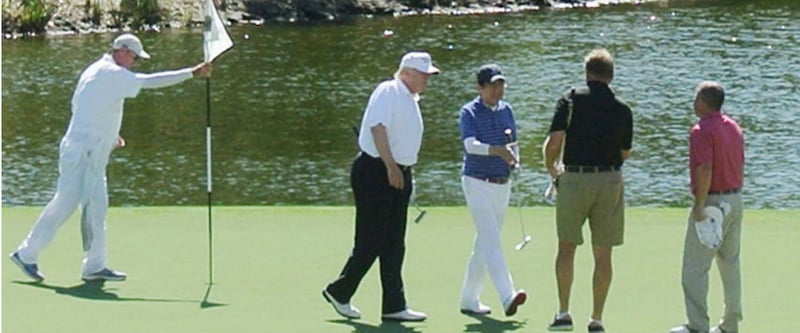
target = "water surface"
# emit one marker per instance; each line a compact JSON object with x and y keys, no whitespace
{"x":285,"y":98}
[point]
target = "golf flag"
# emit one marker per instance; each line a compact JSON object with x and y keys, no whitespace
{"x":215,"y":38}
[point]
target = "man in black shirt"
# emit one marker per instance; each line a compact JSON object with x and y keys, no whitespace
{"x":595,"y":129}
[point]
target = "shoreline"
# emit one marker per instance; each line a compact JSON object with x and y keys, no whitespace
{"x":70,"y":18}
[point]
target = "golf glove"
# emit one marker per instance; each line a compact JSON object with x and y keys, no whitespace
{"x":551,"y":192}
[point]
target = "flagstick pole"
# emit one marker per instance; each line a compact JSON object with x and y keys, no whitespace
{"x":208,"y":172}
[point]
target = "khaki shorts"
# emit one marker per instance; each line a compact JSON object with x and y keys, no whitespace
{"x":600,"y":197}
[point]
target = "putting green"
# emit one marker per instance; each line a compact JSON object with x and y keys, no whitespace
{"x":272,"y":262}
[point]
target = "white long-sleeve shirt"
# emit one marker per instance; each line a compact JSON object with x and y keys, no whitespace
{"x":101,"y":91}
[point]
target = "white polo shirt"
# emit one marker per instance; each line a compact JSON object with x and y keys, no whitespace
{"x":396,"y":108}
{"x":99,"y":97}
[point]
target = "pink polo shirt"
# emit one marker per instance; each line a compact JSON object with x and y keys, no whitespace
{"x":718,"y":139}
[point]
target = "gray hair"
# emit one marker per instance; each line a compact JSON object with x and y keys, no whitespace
{"x":711,"y":94}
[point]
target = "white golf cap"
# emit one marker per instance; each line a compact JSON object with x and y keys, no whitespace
{"x":420,"y":61}
{"x":131,"y":42}
{"x":714,"y":214}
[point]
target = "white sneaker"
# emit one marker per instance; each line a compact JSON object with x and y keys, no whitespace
{"x":344,"y":309}
{"x":105,"y":274}
{"x":683,"y":329}
{"x":480,"y":310}
{"x":405,"y":315}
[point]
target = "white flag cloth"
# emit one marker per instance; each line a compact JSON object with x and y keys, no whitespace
{"x":215,"y":38}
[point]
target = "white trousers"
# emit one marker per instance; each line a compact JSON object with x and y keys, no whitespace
{"x":488,"y":204}
{"x":81,"y":183}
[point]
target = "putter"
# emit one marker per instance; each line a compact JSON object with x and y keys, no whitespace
{"x":526,"y":238}
{"x":421,"y":212}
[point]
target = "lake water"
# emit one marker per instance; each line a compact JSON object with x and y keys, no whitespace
{"x":285,"y":98}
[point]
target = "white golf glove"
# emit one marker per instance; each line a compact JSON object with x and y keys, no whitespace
{"x":551,"y":192}
{"x":709,"y":231}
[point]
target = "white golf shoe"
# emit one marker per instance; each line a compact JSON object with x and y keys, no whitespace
{"x":344,"y":309}
{"x":479,"y":310}
{"x":105,"y":274}
{"x":405,"y":315}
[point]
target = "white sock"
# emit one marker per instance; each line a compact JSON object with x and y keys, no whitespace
{"x":562,"y":315}
{"x":595,"y":321}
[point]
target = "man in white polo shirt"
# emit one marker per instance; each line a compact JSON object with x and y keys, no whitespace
{"x":390,"y":139}
{"x":92,"y":134}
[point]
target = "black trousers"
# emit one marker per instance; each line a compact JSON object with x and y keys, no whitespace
{"x":381,"y":213}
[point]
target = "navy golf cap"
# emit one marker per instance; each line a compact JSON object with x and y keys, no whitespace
{"x":489,"y":73}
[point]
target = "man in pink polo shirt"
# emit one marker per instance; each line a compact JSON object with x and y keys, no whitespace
{"x":716,"y":163}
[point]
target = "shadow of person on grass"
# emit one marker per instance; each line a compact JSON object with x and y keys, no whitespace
{"x":490,"y":325}
{"x":95,"y":290}
{"x":384,"y":327}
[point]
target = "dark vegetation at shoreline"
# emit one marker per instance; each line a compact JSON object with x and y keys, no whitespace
{"x":22,"y":18}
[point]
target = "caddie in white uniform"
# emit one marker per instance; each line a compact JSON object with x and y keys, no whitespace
{"x":489,"y":153}
{"x":84,"y":151}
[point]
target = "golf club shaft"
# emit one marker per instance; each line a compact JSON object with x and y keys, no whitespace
{"x":515,"y":187}
{"x":518,"y":198}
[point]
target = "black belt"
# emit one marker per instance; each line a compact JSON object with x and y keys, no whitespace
{"x":590,"y":168}
{"x":404,"y":168}
{"x":731,"y":191}
{"x":493,"y":180}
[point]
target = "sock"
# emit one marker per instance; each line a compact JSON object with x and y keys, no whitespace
{"x":595,"y":322}
{"x":562,"y":315}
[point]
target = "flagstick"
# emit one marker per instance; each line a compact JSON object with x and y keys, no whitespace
{"x":205,"y":303}
{"x":216,"y":40}
{"x":208,"y":172}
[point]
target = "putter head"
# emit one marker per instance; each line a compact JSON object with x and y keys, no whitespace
{"x":420,"y":216}
{"x":524,"y":242}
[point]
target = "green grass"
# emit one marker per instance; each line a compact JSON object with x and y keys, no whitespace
{"x":272,"y":262}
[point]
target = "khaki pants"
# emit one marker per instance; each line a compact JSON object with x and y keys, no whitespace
{"x":697,"y":263}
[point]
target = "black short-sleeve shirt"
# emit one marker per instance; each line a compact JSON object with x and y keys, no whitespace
{"x":601,"y":126}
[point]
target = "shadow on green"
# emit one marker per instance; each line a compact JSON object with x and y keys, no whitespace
{"x":384,"y":327}
{"x":205,"y":304}
{"x":490,"y":325}
{"x":96,"y":290}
